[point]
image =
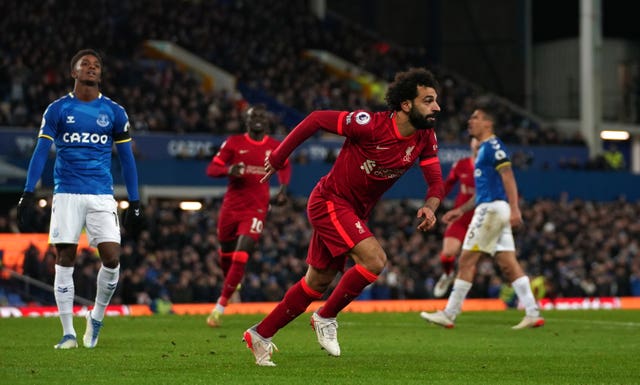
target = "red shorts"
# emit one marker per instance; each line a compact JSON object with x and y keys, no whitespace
{"x":336,"y":230}
{"x":232,"y":224}
{"x":458,"y":229}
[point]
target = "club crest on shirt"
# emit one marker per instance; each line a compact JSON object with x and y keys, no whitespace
{"x":407,"y":156}
{"x":103,"y":120}
{"x":363,"y":118}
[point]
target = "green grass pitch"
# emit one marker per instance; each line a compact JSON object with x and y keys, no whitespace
{"x":574,"y":347}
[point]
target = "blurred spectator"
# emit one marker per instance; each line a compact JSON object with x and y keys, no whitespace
{"x":578,"y":248}
{"x":162,"y":96}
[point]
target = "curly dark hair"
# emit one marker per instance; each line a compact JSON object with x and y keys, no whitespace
{"x":83,"y":52}
{"x":405,"y":86}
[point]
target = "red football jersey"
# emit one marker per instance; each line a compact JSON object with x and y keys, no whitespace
{"x":246,"y":192}
{"x":372,"y":158}
{"x":462,"y":172}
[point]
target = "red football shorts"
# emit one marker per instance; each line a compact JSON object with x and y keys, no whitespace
{"x":458,"y":229}
{"x":336,"y":230}
{"x":232,"y":224}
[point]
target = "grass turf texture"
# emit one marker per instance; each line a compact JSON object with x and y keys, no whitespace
{"x":575,"y":347}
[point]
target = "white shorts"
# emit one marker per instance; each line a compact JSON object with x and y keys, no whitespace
{"x":490,"y":229}
{"x":70,"y":213}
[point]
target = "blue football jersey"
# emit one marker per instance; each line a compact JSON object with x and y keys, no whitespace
{"x":492,"y":155}
{"x":84,"y":134}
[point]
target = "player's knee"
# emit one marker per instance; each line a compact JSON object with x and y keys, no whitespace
{"x":512,"y":272}
{"x":66,"y":255}
{"x":319,"y":280}
{"x":109,"y":254}
{"x":111,"y":261}
{"x":467,"y":262}
{"x":376,"y":262}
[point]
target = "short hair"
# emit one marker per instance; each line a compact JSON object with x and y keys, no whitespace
{"x":255,"y":107}
{"x":488,"y":107}
{"x":83,"y":52}
{"x":405,"y":86}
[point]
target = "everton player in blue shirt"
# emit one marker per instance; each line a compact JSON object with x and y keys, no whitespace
{"x":84,"y":125}
{"x":490,"y":231}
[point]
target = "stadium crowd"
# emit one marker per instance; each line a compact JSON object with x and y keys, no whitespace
{"x":262,"y":55}
{"x":575,"y":248}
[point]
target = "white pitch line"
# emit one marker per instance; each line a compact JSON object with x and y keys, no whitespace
{"x":597,"y":322}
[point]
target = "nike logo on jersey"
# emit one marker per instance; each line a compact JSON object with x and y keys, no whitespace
{"x":71,"y":119}
{"x":242,"y":151}
{"x":379,"y":147}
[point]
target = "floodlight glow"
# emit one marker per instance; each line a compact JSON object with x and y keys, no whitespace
{"x":190,"y":206}
{"x":614,"y":135}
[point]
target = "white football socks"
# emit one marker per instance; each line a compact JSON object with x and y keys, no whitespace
{"x":456,"y":298}
{"x":219,"y":308}
{"x":522,"y":288}
{"x":107,"y":282}
{"x":64,"y":291}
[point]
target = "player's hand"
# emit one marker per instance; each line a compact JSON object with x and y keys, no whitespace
{"x":270,"y":170}
{"x":452,"y":215}
{"x":516,"y":218}
{"x":134,"y":220}
{"x":237,"y":169}
{"x":428,"y":218}
{"x":280,"y":199}
{"x":25,"y":210}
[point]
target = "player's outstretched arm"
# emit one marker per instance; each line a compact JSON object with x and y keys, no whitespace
{"x":315,"y":121}
{"x":455,"y":213}
{"x":269,"y":169}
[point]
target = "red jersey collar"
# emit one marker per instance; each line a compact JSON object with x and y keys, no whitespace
{"x":396,"y":130}
{"x":264,"y":139}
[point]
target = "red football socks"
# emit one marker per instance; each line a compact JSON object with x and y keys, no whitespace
{"x":225,"y":262}
{"x":448,"y":263}
{"x":351,"y":284}
{"x":233,"y":276}
{"x":294,"y":303}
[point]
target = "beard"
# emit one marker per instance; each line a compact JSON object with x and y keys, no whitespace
{"x":421,"y":122}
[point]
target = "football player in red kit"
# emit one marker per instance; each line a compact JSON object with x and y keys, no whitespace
{"x":462,"y":173}
{"x":378,"y":149}
{"x":246,"y":201}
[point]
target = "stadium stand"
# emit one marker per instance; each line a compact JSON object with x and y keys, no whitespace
{"x":268,"y":60}
{"x":176,"y":259}
{"x":576,"y":248}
